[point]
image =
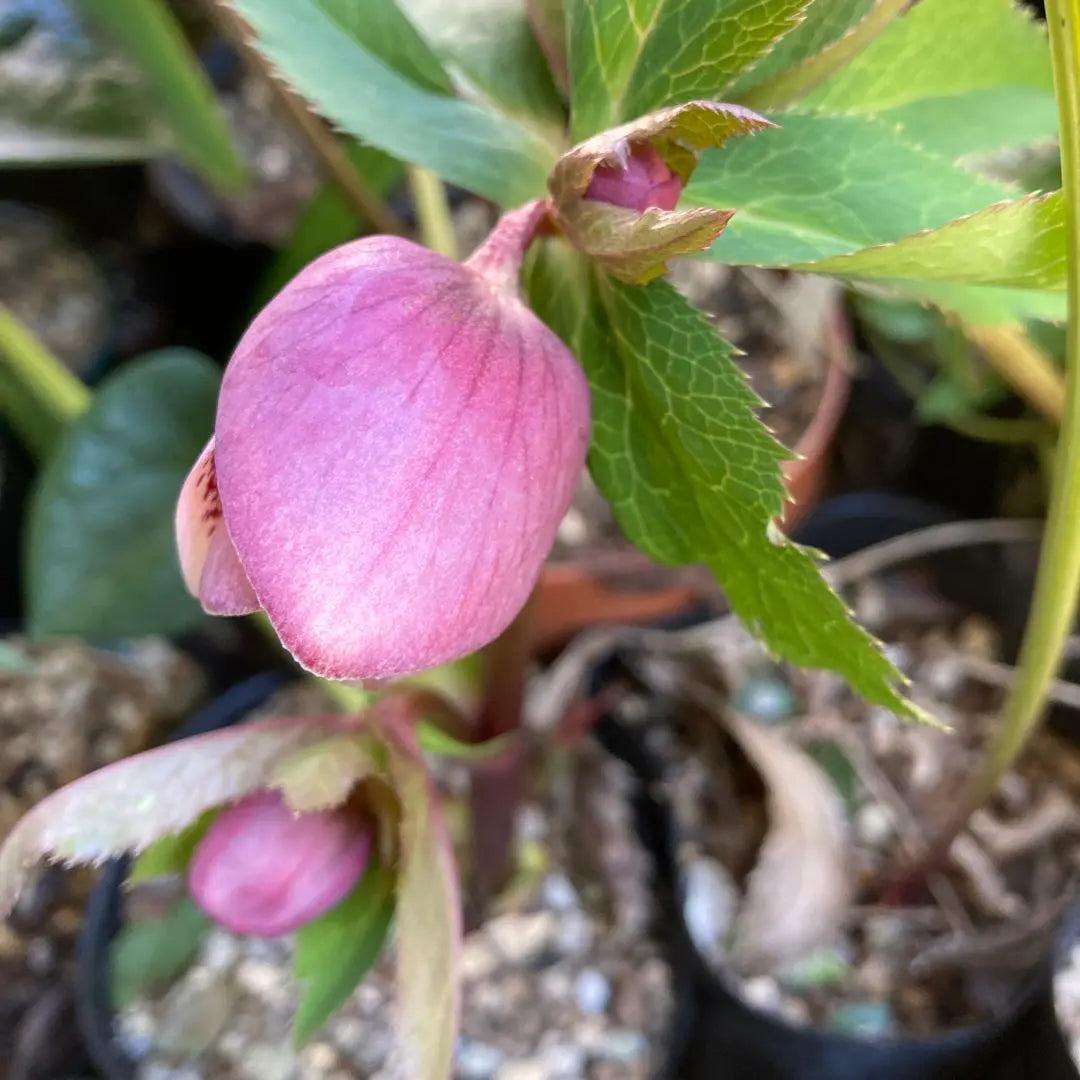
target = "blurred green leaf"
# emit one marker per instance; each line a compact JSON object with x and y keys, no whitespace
{"x":956,"y":101}
{"x":468,"y":145}
{"x":825,"y":21}
{"x":630,"y":57}
{"x":336,"y":951}
{"x":171,"y":854}
{"x":1020,"y":244}
{"x":384,"y":29}
{"x":154,"y":951}
{"x":101,"y":558}
{"x":818,"y":186}
{"x":180,"y":90}
{"x":490,"y":45}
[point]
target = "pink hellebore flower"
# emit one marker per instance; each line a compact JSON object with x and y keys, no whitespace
{"x":642,"y":181}
{"x":398,"y":437}
{"x":266,"y":871}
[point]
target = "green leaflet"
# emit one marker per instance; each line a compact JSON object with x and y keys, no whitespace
{"x":467,"y":145}
{"x":630,"y":57}
{"x":826,"y":21}
{"x":147,"y":30}
{"x":1019,"y":244}
{"x":995,"y":91}
{"x":818,"y":186}
{"x":154,"y":951}
{"x":491,"y":44}
{"x":336,"y":951}
{"x":692,"y":474}
{"x":101,"y":553}
{"x":383,"y":29}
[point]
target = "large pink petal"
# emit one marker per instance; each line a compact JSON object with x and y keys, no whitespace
{"x":397,"y":440}
{"x":208,"y":560}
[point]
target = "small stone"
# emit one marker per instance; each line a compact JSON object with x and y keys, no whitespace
{"x":557,"y":983}
{"x":263,"y":980}
{"x":136,"y":1032}
{"x":763,"y":992}
{"x":771,"y":701}
{"x":531,"y":825}
{"x":573,"y":934}
{"x":267,"y":1062}
{"x":523,"y":1069}
{"x":563,"y":1061}
{"x":622,"y":1044}
{"x":219,"y":951}
{"x":157,"y":1070}
{"x":868,"y":1019}
{"x":320,"y":1058}
{"x":479,"y":959}
{"x":559,"y":894}
{"x":944,"y":676}
{"x":710,"y":900}
{"x":477,"y":1060}
{"x":592,"y":991}
{"x":875,"y":825}
{"x":885,"y":933}
{"x":522,"y":939}
{"x":193,"y":1013}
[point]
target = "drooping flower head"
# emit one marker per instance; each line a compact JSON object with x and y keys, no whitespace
{"x":397,"y":439}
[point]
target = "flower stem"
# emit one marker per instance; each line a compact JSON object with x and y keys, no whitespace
{"x":432,"y":211}
{"x":1058,"y":580}
{"x":1023,"y":365}
{"x":39,"y":394}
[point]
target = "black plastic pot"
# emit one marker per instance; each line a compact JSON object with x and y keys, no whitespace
{"x":726,"y":1037}
{"x":104,"y":912}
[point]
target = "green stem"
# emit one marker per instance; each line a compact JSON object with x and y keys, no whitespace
{"x":432,"y":212}
{"x":1054,"y":603}
{"x":40,"y":395}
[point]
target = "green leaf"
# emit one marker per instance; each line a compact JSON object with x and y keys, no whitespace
{"x":694,"y":477}
{"x":154,"y":951}
{"x":336,"y":951}
{"x":817,"y":186}
{"x":985,"y":305}
{"x":101,"y":558}
{"x":1019,"y":243}
{"x":329,"y":219}
{"x":149,"y":33}
{"x":385,"y":31}
{"x":824,"y":23}
{"x":465,"y":144}
{"x":938,"y":49}
{"x":171,"y":854}
{"x":631,"y":57}
{"x":977,"y":122}
{"x":491,"y":46}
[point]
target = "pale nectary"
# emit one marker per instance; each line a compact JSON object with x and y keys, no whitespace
{"x":264,"y":870}
{"x":397,"y":439}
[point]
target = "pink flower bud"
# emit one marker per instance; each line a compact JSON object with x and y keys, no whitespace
{"x":398,"y":438}
{"x":644,"y":180}
{"x":263,"y":870}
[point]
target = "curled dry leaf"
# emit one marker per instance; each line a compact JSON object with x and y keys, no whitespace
{"x":127,"y":806}
{"x":635,"y":246}
{"x":799,"y":890}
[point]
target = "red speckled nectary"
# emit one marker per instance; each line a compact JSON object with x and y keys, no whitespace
{"x":265,"y":871}
{"x":397,"y":439}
